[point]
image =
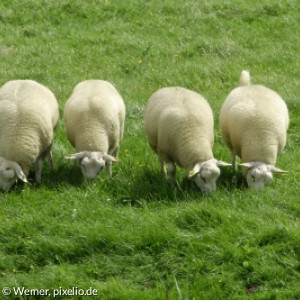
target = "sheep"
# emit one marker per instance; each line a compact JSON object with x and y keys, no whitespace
{"x":254,"y":122}
{"x":94,"y":116}
{"x":179,"y":128}
{"x":28,"y":118}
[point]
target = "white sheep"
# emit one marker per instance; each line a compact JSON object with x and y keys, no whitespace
{"x":28,"y":117}
{"x":179,"y":128}
{"x":254,"y":122}
{"x":94,"y":116}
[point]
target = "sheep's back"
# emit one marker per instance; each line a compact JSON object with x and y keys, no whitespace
{"x":254,"y":115}
{"x":31,"y":100}
{"x":94,"y":105}
{"x":29,"y":113}
{"x":177,"y":114}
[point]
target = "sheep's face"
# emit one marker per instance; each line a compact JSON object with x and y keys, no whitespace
{"x":9,"y":172}
{"x":259,"y":174}
{"x":207,"y":177}
{"x":258,"y":177}
{"x":92,"y":164}
{"x":7,"y":176}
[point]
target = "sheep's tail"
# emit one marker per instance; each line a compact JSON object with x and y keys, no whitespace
{"x":245,"y":78}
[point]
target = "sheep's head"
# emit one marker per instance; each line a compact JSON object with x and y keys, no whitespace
{"x":205,"y":174}
{"x":259,"y":174}
{"x":9,"y":172}
{"x":92,"y":162}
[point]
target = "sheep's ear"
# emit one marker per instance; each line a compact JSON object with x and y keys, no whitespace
{"x":276,"y":170}
{"x":194,"y":171}
{"x":78,"y":155}
{"x":248,"y":164}
{"x":110,"y":158}
{"x":221,"y":163}
{"x":20,"y":173}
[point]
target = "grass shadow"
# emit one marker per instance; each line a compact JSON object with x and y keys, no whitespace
{"x":65,"y":173}
{"x":145,"y":186}
{"x":231,"y":180}
{"x":148,"y":186}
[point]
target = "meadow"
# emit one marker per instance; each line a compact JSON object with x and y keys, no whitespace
{"x":135,"y":236}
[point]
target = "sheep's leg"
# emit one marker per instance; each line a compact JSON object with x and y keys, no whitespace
{"x":108,"y":164}
{"x":38,"y":169}
{"x":116,"y":152}
{"x":233,"y":161}
{"x":172,"y":171}
{"x":108,"y":167}
{"x":49,"y":160}
{"x":163,"y":167}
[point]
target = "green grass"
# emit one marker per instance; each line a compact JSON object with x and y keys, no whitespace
{"x":135,"y":236}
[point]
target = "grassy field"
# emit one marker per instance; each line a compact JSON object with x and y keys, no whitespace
{"x":135,"y":236}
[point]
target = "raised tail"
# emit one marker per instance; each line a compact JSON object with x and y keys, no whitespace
{"x":245,"y":78}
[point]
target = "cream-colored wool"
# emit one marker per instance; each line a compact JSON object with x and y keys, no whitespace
{"x":254,"y":122}
{"x":28,"y":117}
{"x":94,"y":116}
{"x":179,"y":128}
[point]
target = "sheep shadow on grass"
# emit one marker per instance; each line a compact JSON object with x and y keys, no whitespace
{"x":231,"y":180}
{"x":63,"y":174}
{"x":147,"y":185}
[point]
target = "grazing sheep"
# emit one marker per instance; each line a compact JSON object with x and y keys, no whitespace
{"x":254,"y":122}
{"x":28,"y":117}
{"x":94,"y":117}
{"x":179,"y":128}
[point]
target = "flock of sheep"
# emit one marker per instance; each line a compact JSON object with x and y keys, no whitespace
{"x":178,"y":124}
